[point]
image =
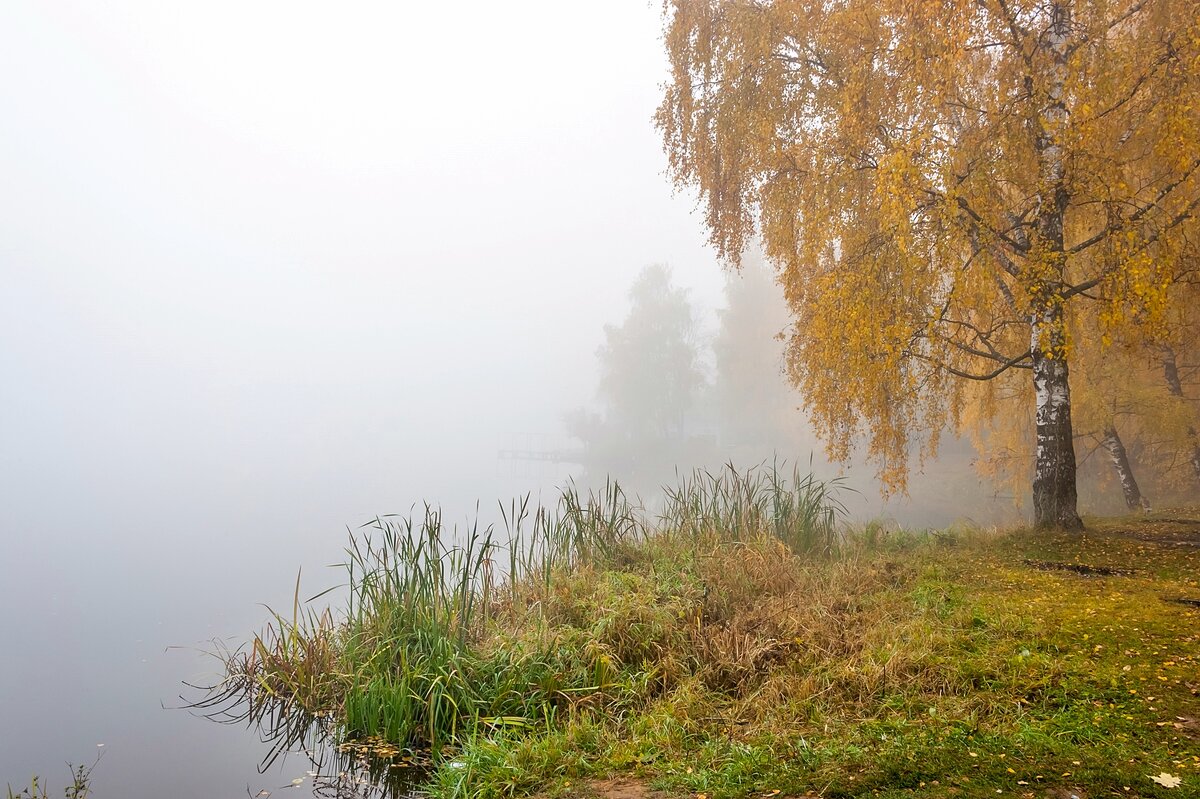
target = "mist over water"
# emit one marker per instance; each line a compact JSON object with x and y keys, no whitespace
{"x":271,"y":270}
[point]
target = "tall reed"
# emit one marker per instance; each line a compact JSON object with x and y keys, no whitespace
{"x":802,"y":512}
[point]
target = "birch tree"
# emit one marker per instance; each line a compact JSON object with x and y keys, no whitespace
{"x":1191,"y":440}
{"x":942,"y":183}
{"x":1114,"y":394}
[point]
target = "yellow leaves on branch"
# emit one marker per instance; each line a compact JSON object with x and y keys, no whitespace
{"x":931,"y":177}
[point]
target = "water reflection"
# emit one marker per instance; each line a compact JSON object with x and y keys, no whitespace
{"x":333,"y":767}
{"x":353,"y":770}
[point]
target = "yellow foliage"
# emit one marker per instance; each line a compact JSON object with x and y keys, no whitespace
{"x":945,"y":186}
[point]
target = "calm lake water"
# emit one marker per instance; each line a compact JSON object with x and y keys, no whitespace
{"x":98,"y":641}
{"x":108,"y":603}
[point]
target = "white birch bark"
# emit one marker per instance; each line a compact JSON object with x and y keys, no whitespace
{"x":1054,"y":489}
{"x":1120,"y":461}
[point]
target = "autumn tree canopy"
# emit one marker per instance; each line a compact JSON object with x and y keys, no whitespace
{"x":943,"y":183}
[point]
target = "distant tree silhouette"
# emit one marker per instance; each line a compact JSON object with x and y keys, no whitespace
{"x":650,"y":380}
{"x":755,"y":403}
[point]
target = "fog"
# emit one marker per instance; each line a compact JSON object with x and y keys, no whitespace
{"x":271,"y":269}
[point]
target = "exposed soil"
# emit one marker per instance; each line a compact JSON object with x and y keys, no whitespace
{"x":619,"y":788}
{"x":1078,"y":568}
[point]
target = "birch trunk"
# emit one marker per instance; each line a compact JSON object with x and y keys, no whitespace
{"x":1055,"y":496}
{"x":1120,"y":460}
{"x":1171,"y":372}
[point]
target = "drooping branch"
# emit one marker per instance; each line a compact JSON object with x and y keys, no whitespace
{"x":1022,"y":361}
{"x":1143,"y":245}
{"x":990,"y":352}
{"x":1141,"y":212}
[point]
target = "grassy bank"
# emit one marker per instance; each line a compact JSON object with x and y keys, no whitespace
{"x":738,"y":645}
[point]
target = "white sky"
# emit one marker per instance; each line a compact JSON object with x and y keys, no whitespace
{"x":385,"y":220}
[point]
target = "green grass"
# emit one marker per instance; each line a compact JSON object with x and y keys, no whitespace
{"x":738,"y":644}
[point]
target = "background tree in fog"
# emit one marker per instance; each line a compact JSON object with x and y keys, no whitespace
{"x":1114,"y":400}
{"x":651,"y":382}
{"x":1152,"y":381}
{"x":650,"y":372}
{"x":1177,"y":354}
{"x":756,"y":406}
{"x":943,"y":183}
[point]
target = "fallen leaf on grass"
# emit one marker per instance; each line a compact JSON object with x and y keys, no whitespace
{"x":1166,"y":780}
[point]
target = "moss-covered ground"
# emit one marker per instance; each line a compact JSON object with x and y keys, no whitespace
{"x":933,"y":664}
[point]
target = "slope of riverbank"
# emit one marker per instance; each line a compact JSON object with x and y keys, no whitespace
{"x":732,"y":651}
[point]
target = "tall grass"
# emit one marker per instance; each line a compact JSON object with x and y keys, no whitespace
{"x":802,"y":512}
{"x":448,"y":632}
{"x":421,"y":595}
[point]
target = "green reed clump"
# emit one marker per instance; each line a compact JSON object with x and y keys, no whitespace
{"x":449,"y":633}
{"x":415,"y":606}
{"x":802,"y":512}
{"x":419,"y":608}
